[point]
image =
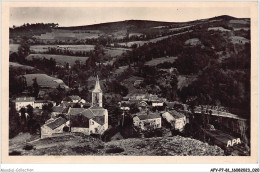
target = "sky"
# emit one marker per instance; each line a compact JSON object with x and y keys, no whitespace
{"x":76,"y":16}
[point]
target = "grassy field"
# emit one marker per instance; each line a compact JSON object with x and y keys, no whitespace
{"x":141,"y":43}
{"x":157,"y":61}
{"x":17,"y":65}
{"x":60,"y":59}
{"x":239,"y":40}
{"x":44,"y":48}
{"x":44,"y":80}
{"x":60,"y":34}
{"x":113,"y":52}
{"x":218,"y":29}
{"x":13,"y":47}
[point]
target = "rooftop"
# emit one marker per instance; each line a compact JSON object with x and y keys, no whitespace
{"x":75,"y":111}
{"x":41,"y":101}
{"x":176,"y":114}
{"x":99,"y":119}
{"x":97,"y":88}
{"x":58,"y":109}
{"x":56,"y":123}
{"x":25,"y":99}
{"x":150,"y":115}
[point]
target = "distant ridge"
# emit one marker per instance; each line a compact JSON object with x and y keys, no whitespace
{"x":137,"y":23}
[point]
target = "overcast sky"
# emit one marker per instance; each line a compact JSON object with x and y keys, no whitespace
{"x":68,"y":16}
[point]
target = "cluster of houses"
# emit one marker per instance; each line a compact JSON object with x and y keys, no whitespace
{"x":93,"y":118}
{"x":143,"y":101}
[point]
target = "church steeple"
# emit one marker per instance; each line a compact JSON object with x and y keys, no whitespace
{"x":97,"y":94}
{"x":97,"y":86}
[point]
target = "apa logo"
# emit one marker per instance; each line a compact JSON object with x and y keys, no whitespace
{"x":234,"y":141}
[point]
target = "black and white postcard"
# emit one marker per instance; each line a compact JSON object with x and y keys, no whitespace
{"x":84,"y":80}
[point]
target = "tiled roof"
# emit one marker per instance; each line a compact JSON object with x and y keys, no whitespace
{"x":145,"y":116}
{"x":57,"y":109}
{"x":99,"y":119}
{"x":171,"y":104}
{"x":65,"y":110}
{"x":80,"y":116}
{"x":88,"y":113}
{"x":96,"y":107}
{"x":67,"y":104}
{"x":75,"y":111}
{"x":41,"y":101}
{"x":98,"y":112}
{"x":56,"y":123}
{"x":79,"y":120}
{"x":25,"y":99}
{"x":176,"y":114}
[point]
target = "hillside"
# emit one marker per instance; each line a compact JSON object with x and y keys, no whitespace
{"x":128,"y":30}
{"x":133,"y":25}
{"x":44,"y":80}
{"x":79,"y":144}
{"x":207,"y":60}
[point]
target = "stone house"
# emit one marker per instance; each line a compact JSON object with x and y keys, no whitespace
{"x":147,"y":120}
{"x":176,"y":119}
{"x":53,"y":127}
{"x":22,"y":102}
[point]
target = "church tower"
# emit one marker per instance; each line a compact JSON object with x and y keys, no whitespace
{"x":97,"y":95}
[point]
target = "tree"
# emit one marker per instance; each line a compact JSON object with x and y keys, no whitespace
{"x":14,"y":123}
{"x":99,"y":53}
{"x":133,"y":108}
{"x":23,"y":116}
{"x":57,"y":95}
{"x":47,"y":109}
{"x":23,"y":50}
{"x":30,"y":111}
{"x":35,"y":88}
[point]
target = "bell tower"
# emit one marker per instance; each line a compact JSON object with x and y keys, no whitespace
{"x":97,"y":95}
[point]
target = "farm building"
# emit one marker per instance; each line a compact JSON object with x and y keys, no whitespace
{"x":22,"y":102}
{"x":176,"y":119}
{"x":147,"y":120}
{"x":54,"y":126}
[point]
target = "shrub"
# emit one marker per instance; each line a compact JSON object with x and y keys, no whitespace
{"x":28,"y":147}
{"x":66,"y":129}
{"x":84,"y":150}
{"x":115,"y":150}
{"x":100,"y":147}
{"x":15,"y":153}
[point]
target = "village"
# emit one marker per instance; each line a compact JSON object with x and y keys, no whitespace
{"x":140,"y":116}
